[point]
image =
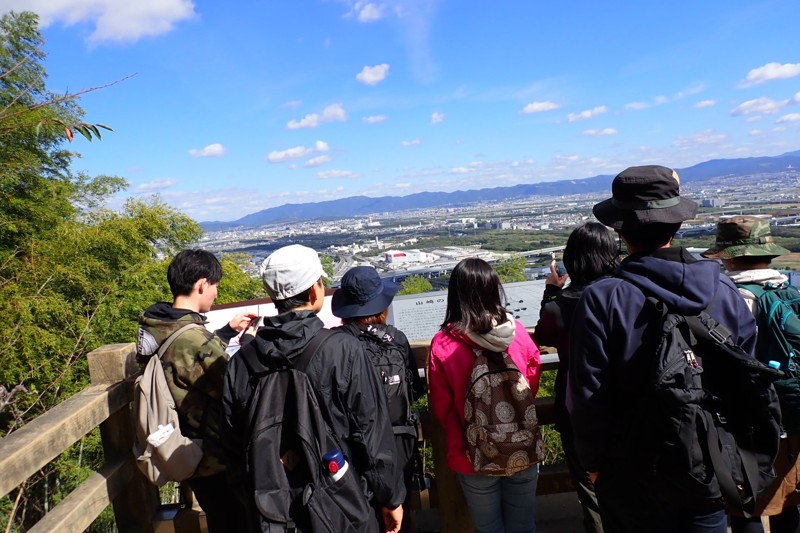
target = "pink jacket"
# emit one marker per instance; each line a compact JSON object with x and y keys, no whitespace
{"x":448,"y":378}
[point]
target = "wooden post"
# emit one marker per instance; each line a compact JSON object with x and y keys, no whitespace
{"x":136,"y":504}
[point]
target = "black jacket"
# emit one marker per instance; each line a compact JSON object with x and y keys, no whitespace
{"x":555,"y":315}
{"x":349,"y":394}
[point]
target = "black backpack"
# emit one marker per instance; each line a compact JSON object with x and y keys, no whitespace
{"x":711,"y":423}
{"x":390,"y":361}
{"x":777,"y":309}
{"x":286,"y":441}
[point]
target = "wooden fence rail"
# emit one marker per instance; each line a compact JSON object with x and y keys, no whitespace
{"x":106,"y":403}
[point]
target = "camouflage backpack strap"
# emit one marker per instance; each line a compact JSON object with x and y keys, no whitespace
{"x":172,"y":338}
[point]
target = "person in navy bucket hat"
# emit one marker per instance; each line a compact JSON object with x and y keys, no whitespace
{"x":362,"y":302}
{"x":362,"y":293}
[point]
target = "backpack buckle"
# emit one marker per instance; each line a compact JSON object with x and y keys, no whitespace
{"x":719,"y":418}
{"x":719,"y":333}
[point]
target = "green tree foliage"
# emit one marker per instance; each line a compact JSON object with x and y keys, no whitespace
{"x":414,"y":285}
{"x":237,"y":285}
{"x":511,"y":270}
{"x":327,"y":266}
{"x":74,"y":275}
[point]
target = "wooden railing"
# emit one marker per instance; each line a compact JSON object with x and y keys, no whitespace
{"x":106,"y":403}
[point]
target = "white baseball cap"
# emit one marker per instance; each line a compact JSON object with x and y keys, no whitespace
{"x":290,"y":270}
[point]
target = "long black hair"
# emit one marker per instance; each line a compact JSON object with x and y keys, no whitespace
{"x":591,"y":252}
{"x":474,"y":297}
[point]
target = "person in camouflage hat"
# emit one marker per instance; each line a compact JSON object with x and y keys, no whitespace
{"x":194,"y":366}
{"x":744,"y":236}
{"x":746,"y":248}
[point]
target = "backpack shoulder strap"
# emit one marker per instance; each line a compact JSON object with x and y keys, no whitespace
{"x":756,"y":288}
{"x":302,"y":360}
{"x":167,"y":343}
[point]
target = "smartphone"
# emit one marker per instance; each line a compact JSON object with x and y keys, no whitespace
{"x":561,"y":269}
{"x":253,"y":323}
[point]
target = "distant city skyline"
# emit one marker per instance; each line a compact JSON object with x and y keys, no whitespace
{"x":238,"y":107}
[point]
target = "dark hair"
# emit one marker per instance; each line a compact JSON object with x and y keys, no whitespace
{"x":650,"y":236}
{"x":749,"y":262}
{"x":377,"y":318}
{"x":293,"y":302}
{"x":474,"y":297}
{"x":189,"y":266}
{"x":591,"y":252}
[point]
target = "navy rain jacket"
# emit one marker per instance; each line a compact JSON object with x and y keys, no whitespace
{"x":614,"y":335}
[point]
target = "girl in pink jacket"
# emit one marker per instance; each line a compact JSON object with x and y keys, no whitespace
{"x":476,"y":320}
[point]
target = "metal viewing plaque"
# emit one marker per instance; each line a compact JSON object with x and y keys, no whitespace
{"x":420,"y":315}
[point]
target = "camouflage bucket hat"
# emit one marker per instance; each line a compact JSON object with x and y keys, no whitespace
{"x":743,"y":236}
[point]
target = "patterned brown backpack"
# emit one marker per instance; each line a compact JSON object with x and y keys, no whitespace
{"x":500,"y":425}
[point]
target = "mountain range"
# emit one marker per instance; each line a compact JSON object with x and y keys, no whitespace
{"x":364,"y":205}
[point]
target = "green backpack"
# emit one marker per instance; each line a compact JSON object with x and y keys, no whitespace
{"x":778,"y":340}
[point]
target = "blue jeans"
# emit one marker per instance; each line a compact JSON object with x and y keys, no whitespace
{"x":502,"y":504}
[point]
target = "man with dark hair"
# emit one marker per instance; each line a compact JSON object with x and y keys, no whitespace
{"x":613,"y":345}
{"x":349,"y":393}
{"x":194,"y":365}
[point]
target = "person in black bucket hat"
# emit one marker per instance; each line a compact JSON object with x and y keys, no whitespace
{"x":645,"y":195}
{"x":362,"y":302}
{"x":612,"y":338}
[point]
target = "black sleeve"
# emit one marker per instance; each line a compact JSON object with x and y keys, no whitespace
{"x":226,"y":333}
{"x":233,"y":429}
{"x":417,"y":384}
{"x":549,"y":327}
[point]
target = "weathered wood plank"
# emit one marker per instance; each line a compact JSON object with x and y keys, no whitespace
{"x":79,"y":509}
{"x":112,"y":363}
{"x":26,"y":450}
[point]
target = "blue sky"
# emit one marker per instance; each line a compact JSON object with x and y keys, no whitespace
{"x":243,"y":105}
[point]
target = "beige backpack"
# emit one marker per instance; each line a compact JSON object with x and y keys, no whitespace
{"x":162,"y":452}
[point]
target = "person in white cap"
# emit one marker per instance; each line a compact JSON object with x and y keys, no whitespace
{"x":350,"y":396}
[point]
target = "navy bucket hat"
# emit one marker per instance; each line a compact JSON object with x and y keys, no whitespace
{"x":362,"y":293}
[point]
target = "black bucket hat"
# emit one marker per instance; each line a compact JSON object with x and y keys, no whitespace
{"x":645,"y":195}
{"x":362,"y":293}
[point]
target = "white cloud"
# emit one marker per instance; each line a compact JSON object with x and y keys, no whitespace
{"x":373,"y":75}
{"x":589,"y":113}
{"x":336,"y":174}
{"x":317,"y":161}
{"x":754,"y":118}
{"x":437,"y":117}
{"x":791,"y":117}
{"x":605,"y":132}
{"x":769,"y":72}
{"x":309,"y":121}
{"x":212,"y":150}
{"x":706,"y":137}
{"x":755,"y":133}
{"x":369,"y":13}
{"x":298,"y":152}
{"x":702,"y":104}
{"x":156,"y":185}
{"x":332,"y":113}
{"x":762,"y":105}
{"x":112,"y":20}
{"x":374,"y":119}
{"x":412,"y":142}
{"x":637,"y":106}
{"x":538,"y":107}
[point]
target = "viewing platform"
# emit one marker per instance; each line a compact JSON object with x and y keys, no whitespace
{"x":106,"y":403}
